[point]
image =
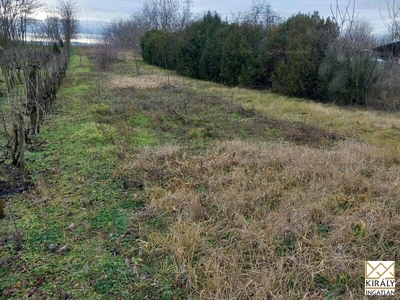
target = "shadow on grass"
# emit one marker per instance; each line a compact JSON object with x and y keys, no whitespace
{"x":189,"y":117}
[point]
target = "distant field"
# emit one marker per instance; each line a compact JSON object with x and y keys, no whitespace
{"x":154,"y":186}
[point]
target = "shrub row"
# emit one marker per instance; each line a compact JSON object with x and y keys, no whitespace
{"x":305,"y":56}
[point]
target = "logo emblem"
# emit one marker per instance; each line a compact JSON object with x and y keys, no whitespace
{"x":380,"y":278}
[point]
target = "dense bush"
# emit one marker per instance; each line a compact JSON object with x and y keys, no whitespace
{"x":348,"y":74}
{"x":240,"y":49}
{"x":304,"y":48}
{"x":199,"y":53}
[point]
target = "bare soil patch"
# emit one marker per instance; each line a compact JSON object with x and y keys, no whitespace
{"x":12,"y":181}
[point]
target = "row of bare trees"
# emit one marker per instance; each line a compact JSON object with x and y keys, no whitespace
{"x":169,"y":15}
{"x":31,"y":78}
{"x":16,"y":18}
{"x":61,"y":23}
{"x":30,"y":75}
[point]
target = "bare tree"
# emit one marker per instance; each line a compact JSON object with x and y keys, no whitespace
{"x":14,"y":19}
{"x":50,"y":28}
{"x":104,"y":54}
{"x":345,"y":18}
{"x":68,"y":12}
{"x":162,"y":14}
{"x":361,"y":35}
{"x":168,"y":15}
{"x":349,"y":68}
{"x":261,"y":13}
{"x":125,"y":34}
{"x":355,"y":33}
{"x":387,"y":90}
{"x":392,"y":22}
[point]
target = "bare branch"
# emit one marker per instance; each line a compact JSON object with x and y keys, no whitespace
{"x":14,"y":19}
{"x":68,"y":12}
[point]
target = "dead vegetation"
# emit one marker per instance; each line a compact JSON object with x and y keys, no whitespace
{"x":257,"y":221}
{"x":146,"y":81}
{"x":386,"y":92}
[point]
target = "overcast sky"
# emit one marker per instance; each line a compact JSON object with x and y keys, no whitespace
{"x":103,"y":11}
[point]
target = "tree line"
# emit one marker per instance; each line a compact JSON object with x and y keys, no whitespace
{"x":304,"y":56}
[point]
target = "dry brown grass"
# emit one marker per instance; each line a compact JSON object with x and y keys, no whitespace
{"x":250,"y":220}
{"x":256,"y":221}
{"x":146,"y":81}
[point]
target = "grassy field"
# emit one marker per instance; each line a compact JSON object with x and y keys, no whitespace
{"x":159,"y":187}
